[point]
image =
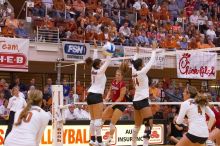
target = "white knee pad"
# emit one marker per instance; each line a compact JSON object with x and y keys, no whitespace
{"x":112,"y":126}
{"x":98,"y":122}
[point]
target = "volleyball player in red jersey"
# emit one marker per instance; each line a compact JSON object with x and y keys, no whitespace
{"x":215,"y":134}
{"x":113,"y":112}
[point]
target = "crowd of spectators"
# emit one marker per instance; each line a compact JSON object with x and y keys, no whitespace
{"x":182,"y":21}
{"x":180,"y":24}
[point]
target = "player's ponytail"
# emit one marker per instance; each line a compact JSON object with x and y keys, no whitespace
{"x":35,"y":97}
{"x":124,"y":68}
{"x":201,"y":100}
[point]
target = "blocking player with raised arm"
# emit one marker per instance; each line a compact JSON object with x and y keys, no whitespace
{"x":94,"y":97}
{"x":30,"y":123}
{"x":142,"y":109}
{"x":195,"y":107}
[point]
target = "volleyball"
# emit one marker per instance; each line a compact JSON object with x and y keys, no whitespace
{"x":109,"y":49}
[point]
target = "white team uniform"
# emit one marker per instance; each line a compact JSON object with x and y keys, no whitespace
{"x":99,"y":78}
{"x":197,"y":121}
{"x":30,"y":132}
{"x":141,"y":80}
{"x":16,"y":103}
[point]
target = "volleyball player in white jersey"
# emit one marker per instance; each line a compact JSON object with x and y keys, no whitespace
{"x":16,"y":102}
{"x":142,"y":109}
{"x":195,"y":107}
{"x":94,"y":97}
{"x":30,"y":123}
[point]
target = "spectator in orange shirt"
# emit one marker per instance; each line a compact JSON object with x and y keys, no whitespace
{"x":154,"y":92}
{"x":12,"y":22}
{"x":48,"y":23}
{"x":78,"y":35}
{"x":170,"y":42}
{"x":144,"y":11}
{"x":79,"y":88}
{"x":193,"y":43}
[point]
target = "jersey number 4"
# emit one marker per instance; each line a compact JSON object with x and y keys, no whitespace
{"x":28,"y":117}
{"x":136,"y":82}
{"x":199,"y":110}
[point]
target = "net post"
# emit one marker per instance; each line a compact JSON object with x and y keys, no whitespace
{"x":57,"y":115}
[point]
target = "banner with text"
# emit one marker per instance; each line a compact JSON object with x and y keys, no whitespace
{"x":196,"y":65}
{"x":14,"y":54}
{"x":160,"y":58}
{"x":78,"y":135}
{"x":75,"y":51}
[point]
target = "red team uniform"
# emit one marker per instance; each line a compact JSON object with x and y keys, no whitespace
{"x":115,"y":93}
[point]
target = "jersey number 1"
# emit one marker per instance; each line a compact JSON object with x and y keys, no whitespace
{"x":28,"y":117}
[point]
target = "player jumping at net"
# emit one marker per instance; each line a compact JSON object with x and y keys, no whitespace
{"x":142,"y":109}
{"x":94,"y":98}
{"x":195,"y":107}
{"x":116,"y":93}
{"x":30,"y":123}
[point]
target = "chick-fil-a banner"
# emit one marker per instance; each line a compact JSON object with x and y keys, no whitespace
{"x":196,"y":65}
{"x":14,"y":54}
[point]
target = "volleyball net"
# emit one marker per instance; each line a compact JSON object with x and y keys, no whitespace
{"x":58,"y":109}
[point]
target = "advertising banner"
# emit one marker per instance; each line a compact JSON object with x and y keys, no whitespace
{"x":78,"y":135}
{"x":75,"y":51}
{"x":14,"y":54}
{"x":196,"y":65}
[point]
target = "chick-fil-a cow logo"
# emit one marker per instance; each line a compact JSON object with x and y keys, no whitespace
{"x":196,"y":66}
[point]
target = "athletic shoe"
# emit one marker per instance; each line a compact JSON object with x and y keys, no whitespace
{"x":145,"y":142}
{"x":93,"y":143}
{"x":210,"y":143}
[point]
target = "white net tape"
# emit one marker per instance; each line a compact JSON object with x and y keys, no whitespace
{"x":130,"y":103}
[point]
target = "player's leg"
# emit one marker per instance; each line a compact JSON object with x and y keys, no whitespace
{"x":92,"y":126}
{"x":215,"y":136}
{"x":184,"y":141}
{"x":137,"y":126}
{"x":98,"y":109}
{"x":117,"y":113}
{"x":147,"y":116}
{"x":107,"y":114}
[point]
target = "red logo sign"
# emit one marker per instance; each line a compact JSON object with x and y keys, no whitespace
{"x":12,"y":59}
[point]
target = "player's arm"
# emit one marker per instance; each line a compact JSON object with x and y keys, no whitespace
{"x":105,"y":65}
{"x":147,"y":66}
{"x":211,"y":115}
{"x":122,"y":94}
{"x":108,"y":94}
{"x":182,"y":113}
